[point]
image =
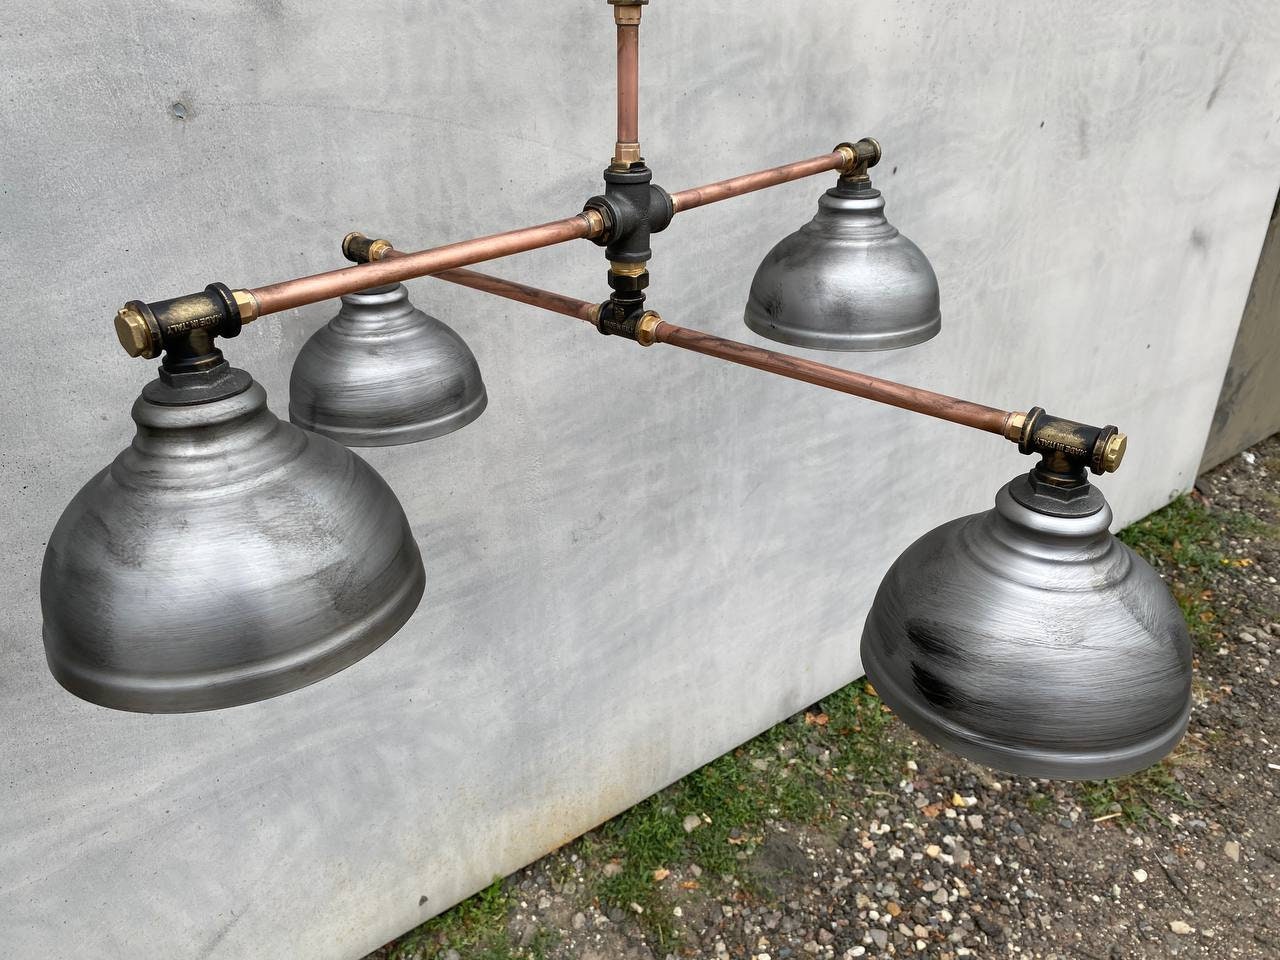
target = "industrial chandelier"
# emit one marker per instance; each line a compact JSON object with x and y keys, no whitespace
{"x":1026,"y":637}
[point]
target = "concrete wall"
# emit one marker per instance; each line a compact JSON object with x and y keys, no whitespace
{"x":1249,"y":404}
{"x":637,"y":559}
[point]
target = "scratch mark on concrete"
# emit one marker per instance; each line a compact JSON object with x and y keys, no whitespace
{"x":212,"y":945}
{"x":1222,"y":77}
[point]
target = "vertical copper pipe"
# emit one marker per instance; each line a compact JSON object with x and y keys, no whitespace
{"x":836,"y":378}
{"x":324,"y":286}
{"x":750,"y":182}
{"x":629,"y":82}
{"x":627,"y":150}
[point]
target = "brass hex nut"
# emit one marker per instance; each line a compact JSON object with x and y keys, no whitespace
{"x":246,"y":304}
{"x":136,"y":334}
{"x":1013,"y":426}
{"x":1113,"y":452}
{"x":627,"y":12}
{"x":625,"y":154}
{"x":647,"y":328}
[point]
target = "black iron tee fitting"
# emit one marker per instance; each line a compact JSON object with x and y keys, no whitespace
{"x":633,"y":207}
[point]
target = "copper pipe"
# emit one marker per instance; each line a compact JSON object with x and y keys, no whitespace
{"x":628,"y":85}
{"x":535,"y":297}
{"x":931,"y":404}
{"x":835,"y":378}
{"x":324,"y":286}
{"x":750,"y":182}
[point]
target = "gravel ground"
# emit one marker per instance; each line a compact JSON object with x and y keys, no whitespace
{"x":840,"y":835}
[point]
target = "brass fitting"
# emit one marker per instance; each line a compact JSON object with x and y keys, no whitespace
{"x":625,"y":154}
{"x":137,"y":335}
{"x":595,"y":223}
{"x":627,"y":269}
{"x":1113,"y":452}
{"x":858,"y":157}
{"x":146,"y":329}
{"x":627,"y":12}
{"x":247,"y":304}
{"x":1066,"y":443}
{"x":358,"y":248}
{"x":647,"y":328}
{"x":1013,"y":426}
{"x":850,"y":157}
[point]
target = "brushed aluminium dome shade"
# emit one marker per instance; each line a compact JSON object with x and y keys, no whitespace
{"x":847,"y":280}
{"x":224,"y":557}
{"x":1033,"y":643}
{"x":383,"y":372}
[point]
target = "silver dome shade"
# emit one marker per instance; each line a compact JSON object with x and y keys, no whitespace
{"x":1034,"y":643}
{"x":846,"y":280}
{"x":224,"y":557}
{"x":383,"y":372}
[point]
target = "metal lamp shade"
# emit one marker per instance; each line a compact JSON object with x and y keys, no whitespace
{"x":383,"y":372}
{"x":847,"y":280}
{"x":224,"y":557}
{"x":1036,"y":644}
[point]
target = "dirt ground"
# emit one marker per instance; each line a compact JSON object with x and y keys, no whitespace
{"x":838,"y":834}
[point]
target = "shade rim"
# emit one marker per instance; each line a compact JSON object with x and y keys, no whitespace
{"x":206,"y":691}
{"x":1023,"y":761}
{"x":397,"y":435}
{"x":846,"y":342}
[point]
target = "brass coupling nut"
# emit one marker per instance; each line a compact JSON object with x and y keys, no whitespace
{"x":596,"y":225}
{"x":647,"y":328}
{"x":625,"y":154}
{"x":1013,"y":426}
{"x":247,"y":304}
{"x":138,"y":332}
{"x":627,"y":12}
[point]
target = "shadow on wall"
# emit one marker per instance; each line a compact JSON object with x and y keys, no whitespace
{"x":1249,"y":404}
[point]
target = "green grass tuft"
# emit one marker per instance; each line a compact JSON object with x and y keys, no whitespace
{"x":1184,"y":542}
{"x":802,"y":770}
{"x":477,"y":925}
{"x":1133,"y":798}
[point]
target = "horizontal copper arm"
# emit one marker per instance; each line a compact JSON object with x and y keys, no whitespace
{"x":288,"y":294}
{"x":324,"y":286}
{"x":750,"y":182}
{"x":894,"y":394}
